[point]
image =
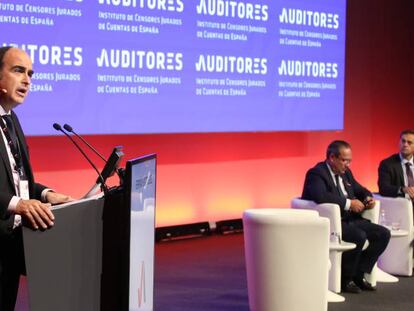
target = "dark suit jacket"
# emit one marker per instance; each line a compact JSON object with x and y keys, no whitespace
{"x":391,"y":176}
{"x":320,"y":187}
{"x":7,"y":190}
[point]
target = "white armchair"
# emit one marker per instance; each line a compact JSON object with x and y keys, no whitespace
{"x":398,"y":256}
{"x":333,"y":213}
{"x":286,"y":259}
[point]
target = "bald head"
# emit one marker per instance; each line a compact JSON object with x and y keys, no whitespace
{"x":3,"y":51}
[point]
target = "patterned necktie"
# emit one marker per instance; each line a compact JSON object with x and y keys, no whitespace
{"x":338,"y":186}
{"x":11,"y":130}
{"x":409,"y":172}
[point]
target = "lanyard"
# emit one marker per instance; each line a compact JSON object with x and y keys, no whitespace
{"x":15,"y":150}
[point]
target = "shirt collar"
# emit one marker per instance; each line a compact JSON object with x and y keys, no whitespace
{"x":3,"y":112}
{"x":404,"y":161}
{"x":330,"y":169}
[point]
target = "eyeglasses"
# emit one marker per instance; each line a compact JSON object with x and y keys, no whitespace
{"x":346,"y":161}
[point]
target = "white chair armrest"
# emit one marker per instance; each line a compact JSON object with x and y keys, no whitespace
{"x":328,"y":210}
{"x":373,"y":213}
{"x":398,"y":210}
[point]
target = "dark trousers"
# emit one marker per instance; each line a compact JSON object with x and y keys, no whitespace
{"x":11,"y":267}
{"x":356,"y":262}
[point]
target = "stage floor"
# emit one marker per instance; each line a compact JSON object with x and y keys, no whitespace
{"x":208,"y":274}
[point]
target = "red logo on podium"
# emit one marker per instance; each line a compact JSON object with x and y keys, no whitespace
{"x":141,"y":288}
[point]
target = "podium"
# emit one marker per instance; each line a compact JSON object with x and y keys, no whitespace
{"x":99,"y":255}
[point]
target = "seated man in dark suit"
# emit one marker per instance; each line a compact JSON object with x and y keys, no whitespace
{"x":395,"y":173}
{"x":331,"y":181}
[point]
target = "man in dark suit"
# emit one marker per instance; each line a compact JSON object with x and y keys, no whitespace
{"x":21,"y":199}
{"x":332,"y":181}
{"x":395,"y":173}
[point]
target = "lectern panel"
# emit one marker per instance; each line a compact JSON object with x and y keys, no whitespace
{"x":64,"y":263}
{"x":141,"y":175}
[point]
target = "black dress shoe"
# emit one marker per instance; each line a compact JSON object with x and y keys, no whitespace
{"x":363,"y":284}
{"x":350,"y":287}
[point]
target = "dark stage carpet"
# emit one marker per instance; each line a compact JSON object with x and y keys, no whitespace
{"x":208,"y":274}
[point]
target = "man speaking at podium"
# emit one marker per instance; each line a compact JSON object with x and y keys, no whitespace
{"x":21,"y":199}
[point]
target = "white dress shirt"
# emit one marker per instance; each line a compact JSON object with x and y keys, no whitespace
{"x":404,"y":168}
{"x":341,"y":185}
{"x":16,"y":178}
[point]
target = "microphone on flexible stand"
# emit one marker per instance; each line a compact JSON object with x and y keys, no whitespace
{"x":57,"y":127}
{"x":71,"y":130}
{"x":107,"y":170}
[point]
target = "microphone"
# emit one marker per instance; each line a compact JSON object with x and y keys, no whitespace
{"x":70,"y":130}
{"x":57,"y":127}
{"x":113,"y":161}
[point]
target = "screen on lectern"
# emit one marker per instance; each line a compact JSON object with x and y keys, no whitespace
{"x":140,"y":179}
